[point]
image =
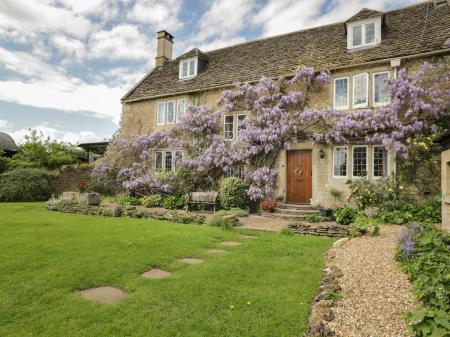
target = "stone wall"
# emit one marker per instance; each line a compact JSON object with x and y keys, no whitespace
{"x":445,"y":173}
{"x":323,"y":229}
{"x":68,"y":176}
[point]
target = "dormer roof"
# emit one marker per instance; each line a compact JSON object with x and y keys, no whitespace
{"x":195,"y":52}
{"x":364,"y":13}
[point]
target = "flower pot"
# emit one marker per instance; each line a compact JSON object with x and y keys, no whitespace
{"x":326,"y":212}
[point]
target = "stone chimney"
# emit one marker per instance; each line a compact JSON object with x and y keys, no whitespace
{"x":164,"y":48}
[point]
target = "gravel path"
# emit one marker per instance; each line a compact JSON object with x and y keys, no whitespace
{"x":375,"y":292}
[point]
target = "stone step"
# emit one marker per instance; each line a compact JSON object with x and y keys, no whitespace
{"x":295,"y":206}
{"x":284,"y":216}
{"x":305,"y":211}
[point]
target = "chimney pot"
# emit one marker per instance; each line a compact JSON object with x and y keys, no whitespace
{"x":164,"y":47}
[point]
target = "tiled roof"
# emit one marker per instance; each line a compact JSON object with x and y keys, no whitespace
{"x":412,"y":30}
{"x":364,"y":13}
{"x":7,"y":143}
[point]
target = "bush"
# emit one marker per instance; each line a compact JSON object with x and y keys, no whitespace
{"x":154,"y":200}
{"x":174,"y":202}
{"x":268,"y":205}
{"x":127,"y":200}
{"x":395,"y":217}
{"x":234,"y":211}
{"x":286,"y":232}
{"x":346,"y":215}
{"x":315,"y":218}
{"x":424,"y":254}
{"x":233,"y":193}
{"x":361,"y":224}
{"x":429,"y":211}
{"x":217,"y":220}
{"x":26,"y":184}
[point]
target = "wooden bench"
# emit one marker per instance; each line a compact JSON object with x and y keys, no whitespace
{"x":207,"y":198}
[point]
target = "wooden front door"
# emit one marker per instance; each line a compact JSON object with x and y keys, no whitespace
{"x":299,"y":177}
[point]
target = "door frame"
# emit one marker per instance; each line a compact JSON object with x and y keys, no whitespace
{"x":310,"y":176}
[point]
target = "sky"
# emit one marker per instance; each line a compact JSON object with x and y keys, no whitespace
{"x":65,"y":64}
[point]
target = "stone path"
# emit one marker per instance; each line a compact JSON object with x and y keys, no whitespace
{"x":216,"y":251}
{"x":260,"y":223}
{"x":189,"y":260}
{"x":230,"y":243}
{"x":375,"y":293}
{"x":106,"y":295}
{"x":156,"y":274}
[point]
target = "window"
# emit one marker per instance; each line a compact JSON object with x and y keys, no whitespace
{"x":341,"y":93}
{"x":364,"y":33}
{"x":170,"y":112}
{"x":360,"y":90}
{"x":160,"y":113}
{"x":240,"y":118}
{"x":228,"y":129}
{"x":181,"y":108}
{"x":236,"y":171}
{"x":168,"y":161}
{"x":359,"y":161}
{"x":178,"y":158}
{"x":340,"y":162}
{"x":380,"y":162}
{"x":188,"y":68}
{"x":380,"y":89}
{"x":158,"y":161}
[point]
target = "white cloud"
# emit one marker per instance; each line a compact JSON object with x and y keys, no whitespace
{"x":157,"y":14}
{"x":5,"y":125}
{"x":40,"y":16}
{"x":122,"y":42}
{"x":72,"y":48}
{"x":57,"y":134}
{"x":220,"y":43}
{"x":283,"y":16}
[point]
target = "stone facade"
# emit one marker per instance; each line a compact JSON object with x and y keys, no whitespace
{"x":445,"y":172}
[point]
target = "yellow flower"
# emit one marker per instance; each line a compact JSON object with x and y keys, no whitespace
{"x":231,"y":306}
{"x":366,"y":190}
{"x":248,"y":302}
{"x":400,"y":187}
{"x":390,"y":189}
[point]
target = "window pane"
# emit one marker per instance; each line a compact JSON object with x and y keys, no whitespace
{"x":170,"y":111}
{"x":181,"y":108}
{"x":161,"y":112}
{"x":168,"y":161}
{"x":240,"y":118}
{"x":158,"y":161}
{"x":370,"y":33}
{"x":379,"y":161}
{"x":340,"y":161}
{"x":380,"y":89}
{"x":228,"y":127}
{"x":191,"y":67}
{"x":341,"y":92}
{"x":359,"y":161}
{"x":360,"y":89}
{"x":184,"y":69}
{"x":357,"y":35}
{"x":235,"y":171}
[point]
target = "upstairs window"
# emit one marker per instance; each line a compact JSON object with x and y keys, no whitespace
{"x":170,"y":112}
{"x":364,"y":33}
{"x":181,"y":109}
{"x":360,"y":90}
{"x":188,"y":68}
{"x":161,"y":113}
{"x":380,"y":89}
{"x":228,"y":127}
{"x":341,"y":93}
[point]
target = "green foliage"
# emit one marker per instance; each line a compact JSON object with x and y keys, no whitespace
{"x":233,"y":211}
{"x":316,"y":218}
{"x":365,"y":192}
{"x":402,"y":211}
{"x":361,"y":224}
{"x":429,"y":211}
{"x":26,"y":184}
{"x":174,"y":202}
{"x":126,"y":199}
{"x":427,"y":262}
{"x":154,"y":200}
{"x":332,"y":296}
{"x":286,"y":232}
{"x":102,"y":187}
{"x":346,"y":215}
{"x":218,"y":220}
{"x":395,"y":217}
{"x":233,"y":193}
{"x":376,"y":231}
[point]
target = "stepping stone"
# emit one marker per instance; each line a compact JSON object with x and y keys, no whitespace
{"x":244,"y":236}
{"x":216,"y":251}
{"x":230,"y":243}
{"x":191,"y":261}
{"x":157,"y":274}
{"x":106,"y":295}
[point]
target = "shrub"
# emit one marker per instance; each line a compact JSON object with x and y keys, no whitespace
{"x":81,"y":186}
{"x":268,"y":205}
{"x":361,"y":224}
{"x":217,"y":220}
{"x":234,"y":211}
{"x":395,"y":217}
{"x":26,"y":184}
{"x":286,"y":232}
{"x":365,"y":192}
{"x":104,"y":188}
{"x":346,"y":215}
{"x":154,"y":200}
{"x":128,"y":200}
{"x":233,"y":193}
{"x":429,"y":211}
{"x":315,"y":218}
{"x":174,"y":202}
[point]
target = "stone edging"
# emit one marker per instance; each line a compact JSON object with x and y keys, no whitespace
{"x":320,"y":229}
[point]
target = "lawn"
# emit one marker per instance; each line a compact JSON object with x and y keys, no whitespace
{"x":45,"y":257}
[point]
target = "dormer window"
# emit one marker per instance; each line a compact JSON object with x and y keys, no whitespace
{"x":364,"y":33}
{"x":188,"y":67}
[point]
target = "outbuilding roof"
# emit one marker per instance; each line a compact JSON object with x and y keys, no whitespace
{"x":7,"y":143}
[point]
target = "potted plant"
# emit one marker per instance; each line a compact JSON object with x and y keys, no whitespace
{"x":268,"y":205}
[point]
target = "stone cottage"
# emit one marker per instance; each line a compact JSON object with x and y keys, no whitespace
{"x":360,"y":53}
{"x":444,"y":141}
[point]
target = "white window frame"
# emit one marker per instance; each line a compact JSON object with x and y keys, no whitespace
{"x":188,"y":68}
{"x":367,"y":160}
{"x":366,"y":103}
{"x":363,"y":23}
{"x":237,"y":123}
{"x":234,"y":128}
{"x":177,"y":109}
{"x":373,"y":88}
{"x":174,"y":111}
{"x":348,"y":164}
{"x":373,"y":162}
{"x":334,"y":93}
{"x":163,"y":158}
{"x":163,"y":103}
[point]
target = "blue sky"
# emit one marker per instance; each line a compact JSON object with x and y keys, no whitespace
{"x":65,"y":64}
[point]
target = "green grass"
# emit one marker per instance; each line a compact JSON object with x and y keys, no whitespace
{"x":46,"y":256}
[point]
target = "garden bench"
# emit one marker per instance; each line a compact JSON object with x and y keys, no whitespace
{"x":208,"y":198}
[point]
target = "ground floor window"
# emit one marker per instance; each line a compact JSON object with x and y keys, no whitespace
{"x":340,"y":161}
{"x":359,"y":161}
{"x":380,"y":162}
{"x":167,"y":160}
{"x":236,"y":171}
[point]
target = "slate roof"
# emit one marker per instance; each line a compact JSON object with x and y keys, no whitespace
{"x":364,"y":13}
{"x":412,"y":30}
{"x":7,"y":143}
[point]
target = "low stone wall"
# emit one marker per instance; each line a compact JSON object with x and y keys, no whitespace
{"x":127,"y":211}
{"x":68,"y":176}
{"x":321,"y":229}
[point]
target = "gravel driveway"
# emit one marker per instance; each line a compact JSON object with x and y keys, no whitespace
{"x":375,"y":292}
